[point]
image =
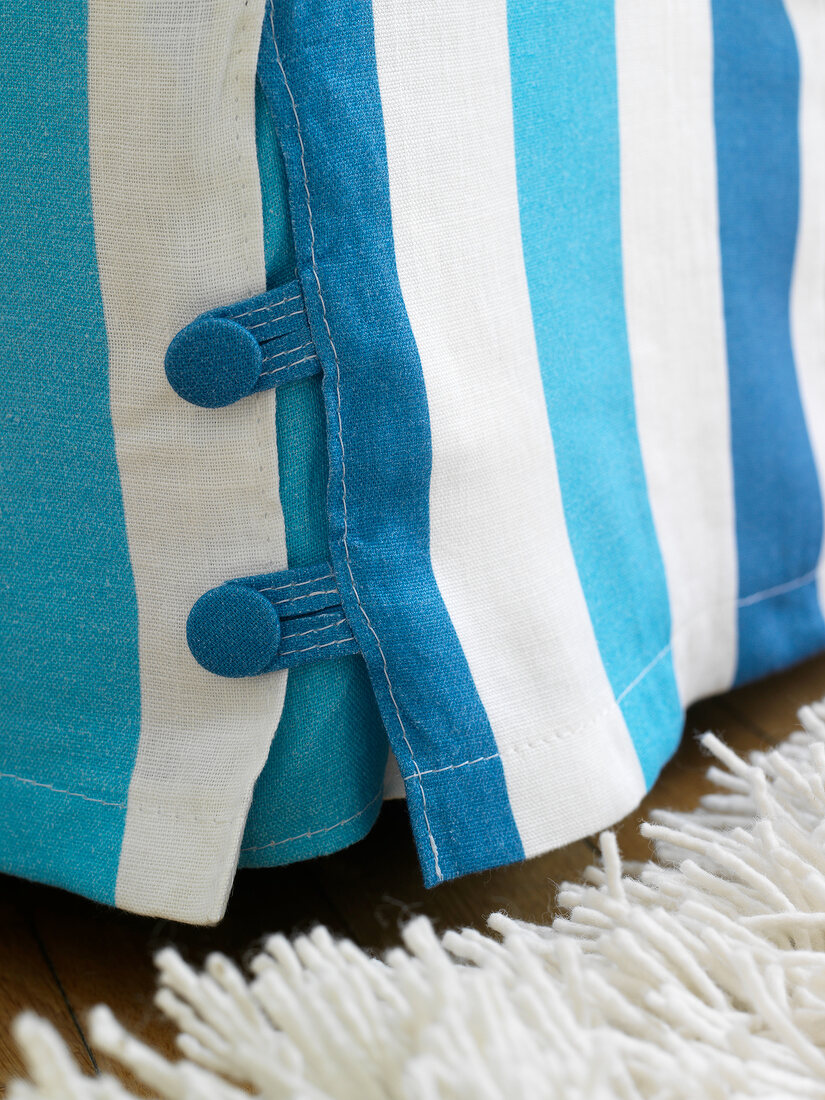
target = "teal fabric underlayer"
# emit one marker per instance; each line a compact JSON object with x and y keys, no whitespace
{"x":322,"y":785}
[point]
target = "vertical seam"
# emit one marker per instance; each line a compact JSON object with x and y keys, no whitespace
{"x":361,"y":607}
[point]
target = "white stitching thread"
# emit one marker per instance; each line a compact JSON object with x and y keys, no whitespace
{"x":433,"y":844}
{"x":778,"y":589}
{"x":317,"y":832}
{"x":289,"y":351}
{"x":145,"y":810}
{"x":316,"y":630}
{"x":297,"y":584}
{"x":306,"y":596}
{"x":466,"y":763}
{"x":309,"y":649}
{"x":287,"y":366}
{"x":262,"y":309}
{"x":59,"y":790}
{"x":272,"y":320}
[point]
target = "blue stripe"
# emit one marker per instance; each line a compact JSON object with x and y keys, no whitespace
{"x":69,"y":678}
{"x":567,"y":156}
{"x":778,"y":503}
{"x":374,"y":383}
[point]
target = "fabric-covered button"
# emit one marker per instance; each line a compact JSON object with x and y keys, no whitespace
{"x":234,"y":631}
{"x":213,"y":362}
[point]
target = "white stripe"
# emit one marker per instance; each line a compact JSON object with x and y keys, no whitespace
{"x":499,"y":544}
{"x":808,"y":286}
{"x":673,"y":297}
{"x":178,"y":228}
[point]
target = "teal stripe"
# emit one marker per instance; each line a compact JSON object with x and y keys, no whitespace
{"x":69,"y":677}
{"x":320,"y":788}
{"x":563,"y":58}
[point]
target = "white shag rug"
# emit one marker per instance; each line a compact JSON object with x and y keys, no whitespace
{"x":701,"y":974}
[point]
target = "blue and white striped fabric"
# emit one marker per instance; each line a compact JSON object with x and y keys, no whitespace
{"x":563,"y":266}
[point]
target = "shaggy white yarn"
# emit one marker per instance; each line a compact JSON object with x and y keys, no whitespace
{"x":701,"y":975}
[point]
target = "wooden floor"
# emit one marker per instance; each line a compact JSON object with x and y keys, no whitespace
{"x":59,"y":954}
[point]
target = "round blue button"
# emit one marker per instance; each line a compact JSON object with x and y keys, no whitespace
{"x":233,"y":631}
{"x":213,"y":362}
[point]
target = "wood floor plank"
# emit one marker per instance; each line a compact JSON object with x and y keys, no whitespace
{"x":772,"y":703}
{"x":103,"y":956}
{"x":106,"y":956}
{"x":27,"y":982}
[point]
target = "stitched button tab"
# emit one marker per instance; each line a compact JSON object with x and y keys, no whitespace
{"x":213,"y":362}
{"x":234,"y":631}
